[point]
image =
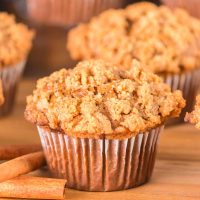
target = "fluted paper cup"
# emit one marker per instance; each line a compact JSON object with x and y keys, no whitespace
{"x":101,"y":164}
{"x":188,"y":83}
{"x":10,"y":76}
{"x":67,"y":12}
{"x":192,"y":6}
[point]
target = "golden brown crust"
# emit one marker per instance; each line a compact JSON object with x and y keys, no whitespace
{"x":136,"y":10}
{"x":98,"y":100}
{"x":1,"y":94}
{"x":194,"y":116}
{"x":15,"y":40}
{"x":162,"y":39}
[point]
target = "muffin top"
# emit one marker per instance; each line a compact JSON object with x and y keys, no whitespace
{"x":1,"y":94}
{"x":194,"y":116}
{"x":15,"y":40}
{"x":162,"y":39}
{"x":96,"y":100}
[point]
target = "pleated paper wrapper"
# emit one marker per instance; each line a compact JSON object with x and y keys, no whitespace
{"x":192,"y":6}
{"x":67,"y":12}
{"x":10,"y":76}
{"x":189,"y":84}
{"x":101,"y":164}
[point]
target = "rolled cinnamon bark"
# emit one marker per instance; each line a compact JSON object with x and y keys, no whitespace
{"x":33,"y":188}
{"x":8,"y":152}
{"x":21,"y":165}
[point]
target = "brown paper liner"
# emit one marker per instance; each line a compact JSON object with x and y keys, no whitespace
{"x":101,"y":164}
{"x":10,"y":77}
{"x":188,"y":83}
{"x":192,"y":6}
{"x":67,"y":12}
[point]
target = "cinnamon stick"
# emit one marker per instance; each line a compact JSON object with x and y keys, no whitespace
{"x":21,"y":165}
{"x":33,"y":188}
{"x":8,"y":152}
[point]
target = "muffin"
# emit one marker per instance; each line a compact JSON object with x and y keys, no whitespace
{"x":99,"y":124}
{"x":166,"y":42}
{"x":15,"y":44}
{"x":1,"y":94}
{"x":194,"y":116}
{"x":66,"y":12}
{"x":192,"y":6}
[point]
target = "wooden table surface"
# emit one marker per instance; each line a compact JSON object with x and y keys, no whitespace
{"x":177,"y":170}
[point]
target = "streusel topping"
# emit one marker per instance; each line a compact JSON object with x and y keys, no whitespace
{"x":15,"y":40}
{"x":194,"y":116}
{"x":1,"y":94}
{"x":162,"y":39}
{"x":96,"y":99}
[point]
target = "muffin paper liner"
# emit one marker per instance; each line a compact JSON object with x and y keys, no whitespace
{"x":67,"y":12}
{"x":189,"y":84}
{"x":101,"y":164}
{"x":10,"y":76}
{"x":193,"y":6}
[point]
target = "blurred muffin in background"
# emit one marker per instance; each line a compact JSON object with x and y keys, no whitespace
{"x":67,"y":12}
{"x":15,"y":44}
{"x":194,"y":116}
{"x":1,"y":94}
{"x":192,"y":6}
{"x":52,"y":19}
{"x":167,"y":42}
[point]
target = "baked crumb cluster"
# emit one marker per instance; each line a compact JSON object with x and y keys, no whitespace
{"x":162,"y":39}
{"x":98,"y":100}
{"x":1,"y":94}
{"x":15,"y":40}
{"x":194,"y":117}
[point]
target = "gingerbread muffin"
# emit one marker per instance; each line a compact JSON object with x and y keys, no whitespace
{"x":99,"y":124}
{"x":167,"y":43}
{"x":194,"y":116}
{"x":15,"y":44}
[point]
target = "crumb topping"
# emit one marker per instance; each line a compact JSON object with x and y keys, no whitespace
{"x":98,"y":100}
{"x":162,"y":39}
{"x":1,"y":94}
{"x":194,"y":116}
{"x":15,"y":40}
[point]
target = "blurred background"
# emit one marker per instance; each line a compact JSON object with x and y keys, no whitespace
{"x":52,"y":19}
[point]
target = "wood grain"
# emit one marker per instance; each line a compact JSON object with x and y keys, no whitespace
{"x":177,"y":170}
